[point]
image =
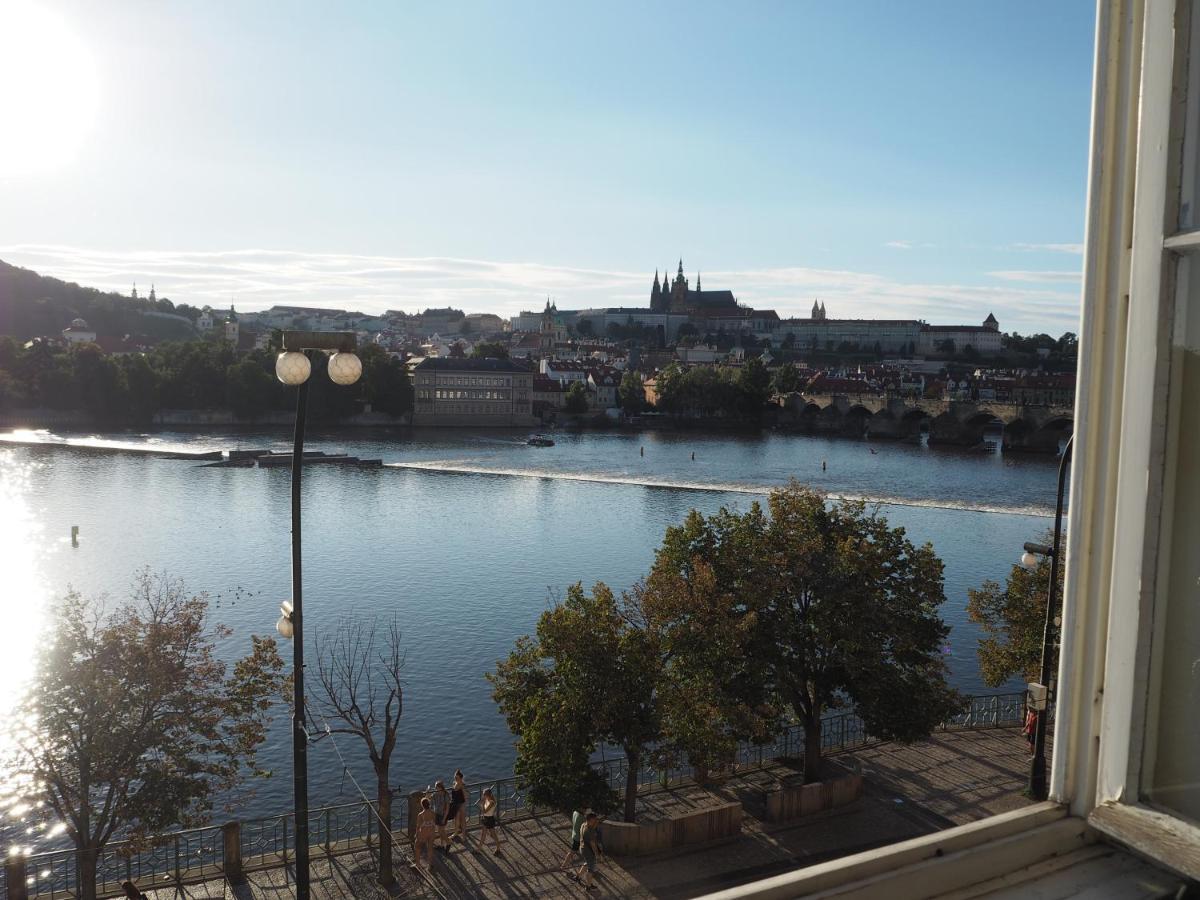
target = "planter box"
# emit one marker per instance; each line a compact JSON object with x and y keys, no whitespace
{"x":793,"y":801}
{"x":709,"y":824}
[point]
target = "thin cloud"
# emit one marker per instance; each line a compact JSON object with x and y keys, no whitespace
{"x":899,"y":245}
{"x":1077,"y":249}
{"x":1038,"y":277}
{"x":255,"y":279}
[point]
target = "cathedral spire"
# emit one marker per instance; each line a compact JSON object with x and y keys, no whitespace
{"x":680,"y":273}
{"x":697,"y":281}
{"x":656,"y":278}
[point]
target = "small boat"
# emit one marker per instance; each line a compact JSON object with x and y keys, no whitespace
{"x":539,"y":440}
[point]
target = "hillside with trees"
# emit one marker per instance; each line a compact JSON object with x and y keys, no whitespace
{"x":33,"y":305}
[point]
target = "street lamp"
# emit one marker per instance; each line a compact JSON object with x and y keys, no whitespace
{"x":292,"y":367}
{"x":1039,"y":692}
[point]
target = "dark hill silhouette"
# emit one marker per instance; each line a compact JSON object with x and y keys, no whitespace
{"x":32,"y":305}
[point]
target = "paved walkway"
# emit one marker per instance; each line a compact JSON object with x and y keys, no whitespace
{"x":952,"y":778}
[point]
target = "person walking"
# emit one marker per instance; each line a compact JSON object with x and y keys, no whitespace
{"x":590,"y":848}
{"x":423,"y":840}
{"x":440,"y":802}
{"x":577,"y":819}
{"x":487,"y":817}
{"x":458,"y":807}
{"x":1030,"y":730}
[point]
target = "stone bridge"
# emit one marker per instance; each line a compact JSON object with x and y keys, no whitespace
{"x":963,"y":422}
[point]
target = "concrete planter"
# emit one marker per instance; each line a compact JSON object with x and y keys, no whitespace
{"x":638,"y":839}
{"x":793,"y":801}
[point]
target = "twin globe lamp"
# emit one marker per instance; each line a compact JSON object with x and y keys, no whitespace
{"x":293,"y":368}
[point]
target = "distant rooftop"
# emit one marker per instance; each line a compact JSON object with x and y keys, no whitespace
{"x":447,"y":364}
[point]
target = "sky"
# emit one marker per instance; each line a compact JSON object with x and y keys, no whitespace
{"x":895,"y":160}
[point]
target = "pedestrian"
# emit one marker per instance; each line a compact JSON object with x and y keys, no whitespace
{"x":577,"y":818}
{"x":423,"y":843}
{"x":440,"y":801}
{"x":132,"y":892}
{"x":590,"y":847}
{"x":1030,"y":730}
{"x":458,"y":807}
{"x":487,"y":817}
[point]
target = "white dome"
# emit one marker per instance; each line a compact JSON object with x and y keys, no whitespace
{"x":80,"y":324}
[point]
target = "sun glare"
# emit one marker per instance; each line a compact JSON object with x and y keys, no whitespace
{"x":48,"y":90}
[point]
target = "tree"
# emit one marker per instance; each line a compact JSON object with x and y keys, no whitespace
{"x":841,"y":610}
{"x":945,"y":346}
{"x":489,"y":350}
{"x":385,"y":382}
{"x":358,"y":668}
{"x":754,"y":381}
{"x":139,"y":726}
{"x":576,"y":400}
{"x":593,"y":668}
{"x":787,"y":380}
{"x":631,"y":393}
{"x":1013,"y":618}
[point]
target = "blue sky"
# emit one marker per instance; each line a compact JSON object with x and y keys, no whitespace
{"x":894,"y":159}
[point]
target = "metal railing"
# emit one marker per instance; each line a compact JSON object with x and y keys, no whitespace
{"x":201,"y":853}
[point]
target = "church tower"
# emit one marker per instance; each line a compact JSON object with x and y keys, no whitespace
{"x":656,"y":295}
{"x":679,"y":290}
{"x":546,"y":341}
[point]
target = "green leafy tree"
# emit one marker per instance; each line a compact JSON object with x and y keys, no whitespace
{"x":385,"y":382}
{"x":591,"y":671}
{"x":139,"y":725}
{"x":249,"y":387}
{"x":576,"y":399}
{"x":754,"y":381}
{"x":1013,"y":619}
{"x":489,"y":350}
{"x":787,"y":380}
{"x":843,"y":610}
{"x":631,"y":393}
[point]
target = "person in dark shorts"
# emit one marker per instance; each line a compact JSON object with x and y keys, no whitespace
{"x":487,"y":817}
{"x":458,"y":807}
{"x":577,"y":819}
{"x":590,"y":847}
{"x":440,"y":801}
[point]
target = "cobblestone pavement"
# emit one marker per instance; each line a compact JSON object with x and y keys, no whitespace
{"x":951,"y":778}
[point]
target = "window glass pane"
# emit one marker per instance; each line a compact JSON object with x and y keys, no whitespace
{"x":1173,"y":733}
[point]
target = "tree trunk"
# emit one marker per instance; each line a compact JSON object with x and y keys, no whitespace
{"x":87,"y":858}
{"x":634,"y":762}
{"x":383,"y":796}
{"x":812,"y":749}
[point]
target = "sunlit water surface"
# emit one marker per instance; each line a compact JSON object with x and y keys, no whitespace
{"x":466,"y":536}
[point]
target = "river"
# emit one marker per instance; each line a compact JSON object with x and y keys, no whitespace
{"x":464,"y":535}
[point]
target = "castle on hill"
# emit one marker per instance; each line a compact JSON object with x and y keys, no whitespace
{"x":678,"y":297}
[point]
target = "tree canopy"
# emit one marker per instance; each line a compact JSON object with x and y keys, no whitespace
{"x":835,"y":608}
{"x":201,"y":374}
{"x":139,"y":726}
{"x":1013,"y":618}
{"x":489,"y":350}
{"x":576,"y":399}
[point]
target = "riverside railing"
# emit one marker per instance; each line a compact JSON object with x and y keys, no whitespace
{"x":227,"y":851}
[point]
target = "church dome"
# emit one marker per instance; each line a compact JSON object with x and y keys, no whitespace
{"x":80,"y":324}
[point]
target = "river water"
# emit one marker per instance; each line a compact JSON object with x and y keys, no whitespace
{"x":464,"y":535}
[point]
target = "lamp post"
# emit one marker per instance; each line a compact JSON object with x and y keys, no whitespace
{"x":292,"y":367}
{"x":1040,"y":693}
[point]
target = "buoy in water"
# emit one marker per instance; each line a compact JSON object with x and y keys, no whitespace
{"x":642,"y":451}
{"x":74,"y":535}
{"x":822,"y":465}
